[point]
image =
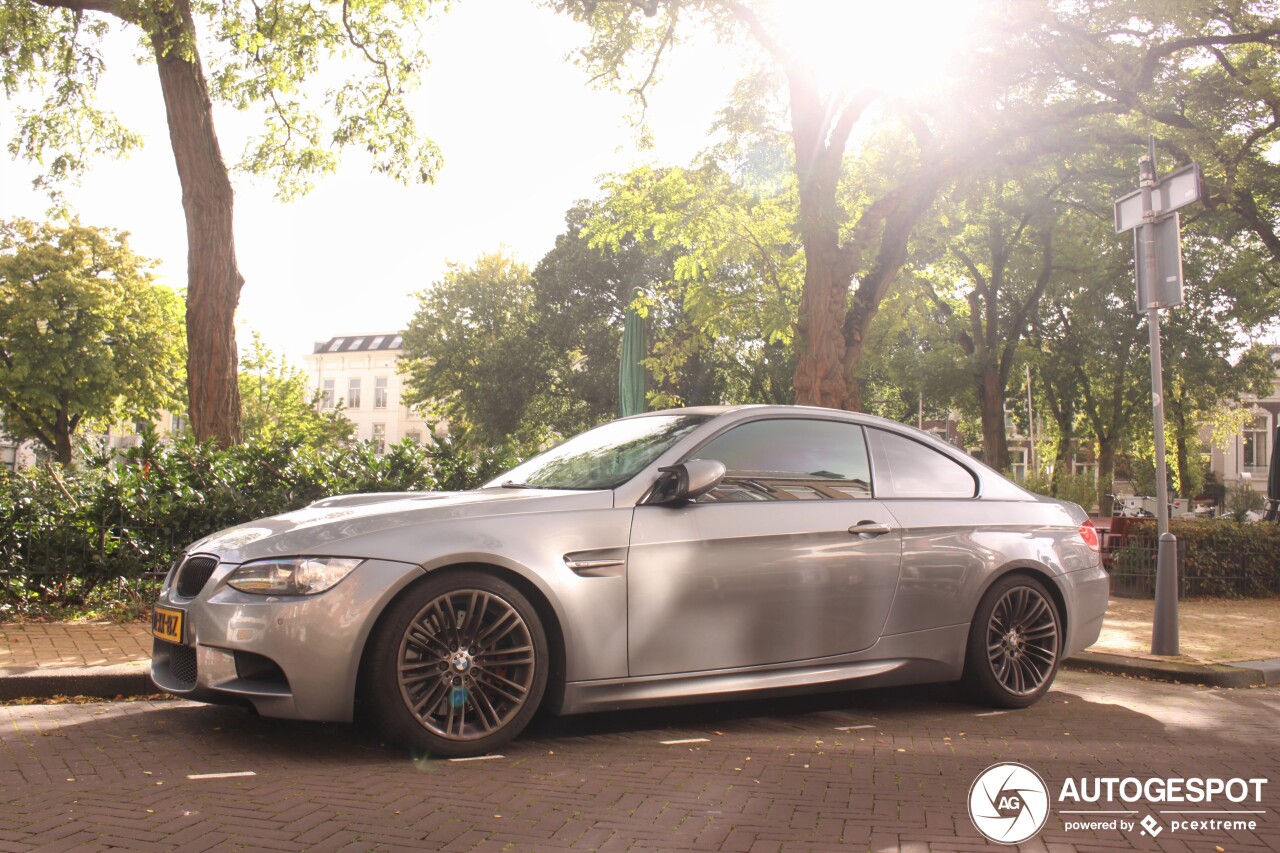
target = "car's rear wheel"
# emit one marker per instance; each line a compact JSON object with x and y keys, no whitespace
{"x":458,"y":665}
{"x":1015,"y":643}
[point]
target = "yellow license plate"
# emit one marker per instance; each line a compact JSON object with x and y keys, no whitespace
{"x":167,"y":624}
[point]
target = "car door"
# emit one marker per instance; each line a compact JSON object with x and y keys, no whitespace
{"x":950,"y":539}
{"x":789,"y":559}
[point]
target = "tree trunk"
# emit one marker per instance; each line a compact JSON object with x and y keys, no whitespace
{"x":995,"y":443}
{"x":1106,"y":468}
{"x":820,"y":344}
{"x":62,"y":439}
{"x":213,"y":277}
{"x":1183,"y":461}
{"x":820,"y":350}
{"x":1062,"y":453}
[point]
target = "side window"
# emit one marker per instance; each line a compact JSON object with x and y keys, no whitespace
{"x":911,"y":469}
{"x":790,"y":460}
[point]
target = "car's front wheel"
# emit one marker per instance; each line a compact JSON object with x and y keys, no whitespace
{"x":1015,"y":643}
{"x":458,"y":665}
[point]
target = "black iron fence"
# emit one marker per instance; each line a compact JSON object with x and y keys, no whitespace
{"x":78,"y":566}
{"x":1216,"y":572}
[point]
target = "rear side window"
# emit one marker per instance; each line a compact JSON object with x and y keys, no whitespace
{"x":790,"y":459}
{"x":911,"y":469}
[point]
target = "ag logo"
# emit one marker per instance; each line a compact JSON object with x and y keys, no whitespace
{"x":1008,"y":803}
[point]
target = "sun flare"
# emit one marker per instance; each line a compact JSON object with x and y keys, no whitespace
{"x":897,"y":47}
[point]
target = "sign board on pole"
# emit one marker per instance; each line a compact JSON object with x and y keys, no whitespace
{"x":1175,"y":190}
{"x":1166,"y":291}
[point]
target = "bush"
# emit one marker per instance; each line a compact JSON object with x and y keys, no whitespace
{"x":1076,"y":488}
{"x":69,"y":535}
{"x":1242,"y":500}
{"x":1219,"y":557}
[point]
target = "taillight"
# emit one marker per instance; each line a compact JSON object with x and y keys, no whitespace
{"x":1089,"y":534}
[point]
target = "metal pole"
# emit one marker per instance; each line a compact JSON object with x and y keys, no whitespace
{"x":1031,"y":427}
{"x":1164,"y":629}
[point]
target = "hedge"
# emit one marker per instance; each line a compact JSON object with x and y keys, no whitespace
{"x":64,"y":532}
{"x":1217,"y":557}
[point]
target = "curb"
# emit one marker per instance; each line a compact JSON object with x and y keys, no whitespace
{"x":134,"y":679}
{"x":102,"y":682}
{"x":1209,"y":675}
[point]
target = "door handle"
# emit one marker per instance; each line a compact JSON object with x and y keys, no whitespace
{"x":870,"y":528}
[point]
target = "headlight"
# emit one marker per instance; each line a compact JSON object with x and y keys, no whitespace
{"x":292,"y":575}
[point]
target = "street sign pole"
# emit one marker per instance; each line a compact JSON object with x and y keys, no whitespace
{"x":1151,"y":212}
{"x":1164,"y":629}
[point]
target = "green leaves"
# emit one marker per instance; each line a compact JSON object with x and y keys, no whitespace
{"x":84,"y":332}
{"x":326,"y":76}
{"x":467,"y":350}
{"x":64,"y":532}
{"x":279,"y":407}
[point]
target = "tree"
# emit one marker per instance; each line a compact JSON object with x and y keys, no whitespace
{"x":839,"y":243}
{"x":277,"y":406}
{"x":1019,"y":101}
{"x":723,"y":286}
{"x":256,"y":55}
{"x":84,"y":333}
{"x":1204,"y":77}
{"x":1223,"y":307}
{"x":467,"y":353}
{"x":988,"y":286}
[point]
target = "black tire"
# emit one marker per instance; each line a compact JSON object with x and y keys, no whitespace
{"x":1015,"y":644}
{"x":458,"y":665}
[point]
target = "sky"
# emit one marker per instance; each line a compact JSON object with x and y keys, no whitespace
{"x":523,"y":137}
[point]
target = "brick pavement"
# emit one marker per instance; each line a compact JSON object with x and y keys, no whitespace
{"x":67,"y":644}
{"x":772,"y":776}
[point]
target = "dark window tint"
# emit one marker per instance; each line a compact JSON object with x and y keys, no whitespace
{"x":910,"y":469}
{"x":790,"y":460}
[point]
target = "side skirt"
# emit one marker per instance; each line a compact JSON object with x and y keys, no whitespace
{"x":914,"y":658}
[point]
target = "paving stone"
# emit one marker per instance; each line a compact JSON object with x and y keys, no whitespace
{"x":610,"y":785}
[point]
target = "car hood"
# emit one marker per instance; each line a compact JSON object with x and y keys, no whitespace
{"x":327,"y":526}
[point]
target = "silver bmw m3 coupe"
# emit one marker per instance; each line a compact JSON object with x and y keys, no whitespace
{"x":677,"y":556}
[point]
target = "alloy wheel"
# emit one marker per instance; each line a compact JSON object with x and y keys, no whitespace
{"x":466,"y":664}
{"x":1022,"y":640}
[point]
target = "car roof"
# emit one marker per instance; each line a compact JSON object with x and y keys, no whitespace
{"x":790,"y":411}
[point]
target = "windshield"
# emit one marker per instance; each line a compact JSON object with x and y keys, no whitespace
{"x":605,"y":457}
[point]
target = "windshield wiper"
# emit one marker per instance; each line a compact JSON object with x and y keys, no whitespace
{"x":512,"y":484}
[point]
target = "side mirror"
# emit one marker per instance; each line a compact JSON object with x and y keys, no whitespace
{"x":679,"y":484}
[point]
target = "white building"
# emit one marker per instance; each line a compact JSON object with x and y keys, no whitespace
{"x":1250,"y":451}
{"x":360,"y":372}
{"x":16,"y":455}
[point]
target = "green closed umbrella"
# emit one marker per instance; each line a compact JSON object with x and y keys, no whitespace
{"x":630,"y":370}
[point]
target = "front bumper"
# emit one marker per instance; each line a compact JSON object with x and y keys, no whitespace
{"x":296,"y":657}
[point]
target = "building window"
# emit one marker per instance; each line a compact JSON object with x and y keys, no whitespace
{"x":177,"y":423}
{"x":353,"y":394}
{"x":380,"y":393}
{"x":1256,"y":446}
{"x":1018,"y":464}
{"x":414,"y":436}
{"x":327,"y":393}
{"x":379,"y":438}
